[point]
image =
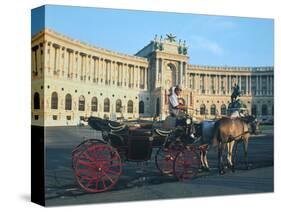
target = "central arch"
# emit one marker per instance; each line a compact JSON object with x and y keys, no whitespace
{"x":171,"y":75}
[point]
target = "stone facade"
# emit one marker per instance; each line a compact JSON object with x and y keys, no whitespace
{"x":72,"y":80}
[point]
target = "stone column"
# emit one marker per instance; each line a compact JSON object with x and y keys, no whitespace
{"x":229,"y":84}
{"x":55,"y":68}
{"x":180,"y":75}
{"x":104,"y":70}
{"x":33,"y":60}
{"x":226,"y":84}
{"x":58,"y":56}
{"x":156,"y":72}
{"x":207,"y":91}
{"x":110,"y":71}
{"x":196,"y":81}
{"x":68,"y":63}
{"x":145,"y":78}
{"x":135,"y":76}
{"x":38,"y":56}
{"x":116,"y":73}
{"x":86,"y":68}
{"x":219,"y":85}
{"x":267,"y":86}
{"x":51,"y":59}
{"x":93,"y":69}
{"x":44,"y":58}
{"x":250,"y":85}
{"x":124,"y":83}
{"x":100,"y":71}
{"x":240,"y":80}
{"x":247,"y":85}
{"x":63,"y":61}
{"x":109,"y":66}
{"x":122,"y":74}
{"x":257,"y":85}
{"x":271,"y":85}
{"x":97,"y":70}
{"x":260,"y":85}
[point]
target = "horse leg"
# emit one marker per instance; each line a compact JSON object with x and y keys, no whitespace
{"x":229,"y":155}
{"x":245,"y":145}
{"x":206,"y":161}
{"x":236,"y":152}
{"x":220,"y":158}
{"x":201,"y":161}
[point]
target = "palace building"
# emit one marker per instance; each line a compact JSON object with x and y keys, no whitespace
{"x":72,"y":80}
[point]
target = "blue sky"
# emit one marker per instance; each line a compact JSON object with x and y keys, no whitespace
{"x":212,"y":40}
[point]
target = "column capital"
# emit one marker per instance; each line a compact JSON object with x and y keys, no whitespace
{"x":56,"y":46}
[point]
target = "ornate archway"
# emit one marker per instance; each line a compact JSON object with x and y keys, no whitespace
{"x":170,"y":75}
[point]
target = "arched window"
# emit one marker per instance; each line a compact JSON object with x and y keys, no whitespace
{"x":130,"y":106}
{"x":36,"y":101}
{"x":264,"y":111}
{"x":81,"y":103}
{"x":213,"y":109}
{"x":141,"y":107}
{"x":54,"y":101}
{"x":118,"y":106}
{"x":202,"y":109}
{"x":68,"y":102}
{"x":94,"y":104}
{"x":254,"y":110}
{"x":106,"y":105}
{"x":157,"y":107}
{"x":223,"y":109}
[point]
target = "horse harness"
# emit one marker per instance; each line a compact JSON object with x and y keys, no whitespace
{"x":235,"y":138}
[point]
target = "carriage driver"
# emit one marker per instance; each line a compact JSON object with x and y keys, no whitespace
{"x":176,"y":108}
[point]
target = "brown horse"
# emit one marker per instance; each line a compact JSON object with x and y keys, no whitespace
{"x":228,"y":131}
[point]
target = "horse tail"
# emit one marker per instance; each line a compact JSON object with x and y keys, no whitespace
{"x":216,"y":135}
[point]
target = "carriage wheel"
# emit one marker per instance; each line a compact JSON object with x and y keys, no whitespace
{"x":164,"y":159}
{"x":81,"y":147}
{"x":98,"y":168}
{"x":186,"y":164}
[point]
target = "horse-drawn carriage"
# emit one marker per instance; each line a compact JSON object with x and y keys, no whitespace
{"x":182,"y":150}
{"x":98,"y":164}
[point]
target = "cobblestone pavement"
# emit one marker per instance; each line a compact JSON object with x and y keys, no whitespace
{"x":142,"y":181}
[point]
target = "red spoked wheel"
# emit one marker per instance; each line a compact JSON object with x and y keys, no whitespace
{"x":186,"y":164}
{"x":98,"y":168}
{"x":164,"y":158}
{"x":81,"y":147}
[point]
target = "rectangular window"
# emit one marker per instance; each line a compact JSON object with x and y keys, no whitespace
{"x":55,"y":117}
{"x":36,"y":117}
{"x":68,"y":118}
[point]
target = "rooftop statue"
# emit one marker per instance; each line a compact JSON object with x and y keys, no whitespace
{"x":171,"y":37}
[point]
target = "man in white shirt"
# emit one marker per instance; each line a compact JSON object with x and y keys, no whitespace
{"x":174,"y":106}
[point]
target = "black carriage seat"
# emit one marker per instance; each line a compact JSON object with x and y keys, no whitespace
{"x":162,"y":132}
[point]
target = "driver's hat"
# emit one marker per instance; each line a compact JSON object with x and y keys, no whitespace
{"x":178,"y":87}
